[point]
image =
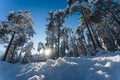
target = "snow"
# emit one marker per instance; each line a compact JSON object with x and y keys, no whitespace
{"x":73,"y":6}
{"x":1,"y":41}
{"x":100,"y":67}
{"x":93,"y":1}
{"x":41,"y":77}
{"x":108,"y":64}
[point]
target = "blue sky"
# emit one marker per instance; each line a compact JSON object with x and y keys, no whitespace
{"x":39,"y":11}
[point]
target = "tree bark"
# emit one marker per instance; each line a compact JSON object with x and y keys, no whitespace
{"x":96,"y":38}
{"x":58,"y":41}
{"x":9,"y":45}
{"x":94,"y":45}
{"x":52,"y":40}
{"x":20,"y":55}
{"x":13,"y":53}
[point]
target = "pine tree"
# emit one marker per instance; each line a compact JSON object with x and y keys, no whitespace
{"x":28,"y":52}
{"x":20,"y":23}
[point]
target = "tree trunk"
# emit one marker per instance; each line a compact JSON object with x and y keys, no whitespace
{"x":58,"y":54}
{"x":64,"y":47}
{"x":24,"y":58}
{"x":94,"y":45}
{"x":13,"y":53}
{"x":52,"y":41}
{"x":9,"y":45}
{"x":20,"y":55}
{"x":114,"y":33}
{"x":96,"y":38}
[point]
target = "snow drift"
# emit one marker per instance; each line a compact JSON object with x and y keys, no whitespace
{"x":104,"y":67}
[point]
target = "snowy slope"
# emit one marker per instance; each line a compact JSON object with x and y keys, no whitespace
{"x":104,"y":67}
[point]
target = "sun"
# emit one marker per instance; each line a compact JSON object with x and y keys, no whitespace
{"x":48,"y":52}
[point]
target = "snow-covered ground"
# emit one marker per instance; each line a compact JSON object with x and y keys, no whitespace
{"x":102,"y":67}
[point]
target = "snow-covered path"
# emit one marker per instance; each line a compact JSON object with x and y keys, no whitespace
{"x":105,"y":67}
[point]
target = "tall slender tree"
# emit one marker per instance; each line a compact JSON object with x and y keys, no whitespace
{"x":20,"y":23}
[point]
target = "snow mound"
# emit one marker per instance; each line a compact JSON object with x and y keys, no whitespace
{"x":41,"y":77}
{"x":104,"y":67}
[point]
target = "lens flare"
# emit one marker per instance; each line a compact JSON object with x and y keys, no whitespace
{"x":48,"y":52}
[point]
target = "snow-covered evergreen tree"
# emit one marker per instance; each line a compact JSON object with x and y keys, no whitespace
{"x":20,"y":25}
{"x":28,"y":52}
